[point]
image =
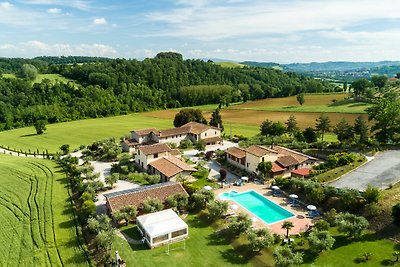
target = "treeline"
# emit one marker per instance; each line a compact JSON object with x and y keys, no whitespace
{"x":71,"y":59}
{"x":14,"y":65}
{"x":118,"y":86}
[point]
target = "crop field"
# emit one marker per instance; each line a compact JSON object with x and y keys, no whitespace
{"x":37,"y":227}
{"x":40,"y":77}
{"x":327,"y":103}
{"x":228,"y":64}
{"x":242,"y":119}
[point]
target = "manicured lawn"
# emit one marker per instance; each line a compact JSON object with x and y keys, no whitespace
{"x":347,"y":253}
{"x":37,"y":226}
{"x":203,"y":248}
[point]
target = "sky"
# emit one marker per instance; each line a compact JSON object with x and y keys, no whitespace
{"x":282,"y":31}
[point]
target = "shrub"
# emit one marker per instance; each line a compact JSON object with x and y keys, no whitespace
{"x":371,"y":210}
{"x":372,"y":194}
{"x":351,"y":224}
{"x":396,"y":214}
{"x":259,"y":239}
{"x":239,"y":224}
{"x":216,"y":209}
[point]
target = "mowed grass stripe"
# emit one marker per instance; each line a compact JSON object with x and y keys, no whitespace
{"x":35,"y":240}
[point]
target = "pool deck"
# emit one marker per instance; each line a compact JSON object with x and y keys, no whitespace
{"x":300,"y":221}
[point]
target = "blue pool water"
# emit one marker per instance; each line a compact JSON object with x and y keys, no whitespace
{"x":263,"y":208}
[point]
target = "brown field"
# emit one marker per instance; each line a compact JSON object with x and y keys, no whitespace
{"x":256,"y":117}
{"x":310,"y":100}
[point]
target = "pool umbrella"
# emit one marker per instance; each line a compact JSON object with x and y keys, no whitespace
{"x":275,"y":187}
{"x":294,"y":196}
{"x":254,"y":219}
{"x":207,"y":187}
{"x":234,"y":207}
{"x":311,"y":207}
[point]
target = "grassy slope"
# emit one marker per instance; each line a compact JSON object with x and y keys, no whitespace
{"x":37,"y":227}
{"x":51,"y":77}
{"x":76,"y":133}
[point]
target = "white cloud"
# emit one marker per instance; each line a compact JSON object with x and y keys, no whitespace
{"x":100,"y":21}
{"x":212,"y":22}
{"x":54,"y":10}
{"x":5,"y":5}
{"x":37,"y":48}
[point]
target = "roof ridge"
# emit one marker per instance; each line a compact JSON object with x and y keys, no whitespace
{"x":138,"y":189}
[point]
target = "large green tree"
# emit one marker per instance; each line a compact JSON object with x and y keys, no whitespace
{"x":187,"y":115}
{"x":216,"y":119}
{"x":323,"y":125}
{"x":291,"y":125}
{"x":361,"y":129}
{"x":379,"y":81}
{"x":351,"y":224}
{"x":264,"y":167}
{"x":360,"y":86}
{"x":320,"y":240}
{"x":217,"y":208}
{"x":259,"y":239}
{"x":300,"y":99}
{"x":385,"y":112}
{"x":285,"y":257}
{"x":239,"y":224}
{"x":344,"y":131}
{"x":272,"y":128}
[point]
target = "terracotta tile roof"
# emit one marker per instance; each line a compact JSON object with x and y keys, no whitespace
{"x":236,"y":152}
{"x":154,"y":149}
{"x":131,"y":142}
{"x":174,"y":131}
{"x":198,"y":128}
{"x":300,"y":157}
{"x":144,"y":132}
{"x":302,"y":172}
{"x":287,"y":161}
{"x":175,"y":152}
{"x":260,"y":151}
{"x":135,"y":197}
{"x":276,"y":167}
{"x":171,"y":166}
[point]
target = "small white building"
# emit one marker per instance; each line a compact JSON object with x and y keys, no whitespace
{"x":163,"y":227}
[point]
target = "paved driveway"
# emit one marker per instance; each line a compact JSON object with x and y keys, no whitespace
{"x":380,"y":172}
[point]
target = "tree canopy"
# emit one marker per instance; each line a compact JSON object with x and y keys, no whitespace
{"x":187,"y":115}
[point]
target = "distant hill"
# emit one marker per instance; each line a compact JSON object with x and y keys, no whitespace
{"x":335,"y":70}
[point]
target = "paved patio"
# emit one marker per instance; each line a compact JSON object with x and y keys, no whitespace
{"x":300,"y":221}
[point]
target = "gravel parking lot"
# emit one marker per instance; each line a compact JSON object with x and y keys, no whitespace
{"x":380,"y":172}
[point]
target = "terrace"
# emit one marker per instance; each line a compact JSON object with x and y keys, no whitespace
{"x":300,"y":220}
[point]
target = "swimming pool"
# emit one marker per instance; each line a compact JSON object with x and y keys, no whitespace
{"x":260,"y":206}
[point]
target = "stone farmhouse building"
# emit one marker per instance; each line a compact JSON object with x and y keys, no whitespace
{"x":160,"y":159}
{"x":284,"y":161}
{"x":192,"y":131}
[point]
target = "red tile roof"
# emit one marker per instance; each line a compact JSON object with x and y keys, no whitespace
{"x":135,"y":197}
{"x":287,"y":161}
{"x":154,"y":149}
{"x":144,"y":132}
{"x":300,"y":157}
{"x":276,"y":167}
{"x":236,"y":152}
{"x":260,"y":151}
{"x":302,"y":172}
{"x":171,"y":166}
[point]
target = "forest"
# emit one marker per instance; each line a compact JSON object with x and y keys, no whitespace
{"x":108,"y":87}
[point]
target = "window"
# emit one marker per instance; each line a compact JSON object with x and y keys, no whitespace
{"x":179,"y":233}
{"x":263,"y":159}
{"x":160,"y":238}
{"x":205,"y":134}
{"x":215,"y":132}
{"x":156,"y":155}
{"x":248,"y":165}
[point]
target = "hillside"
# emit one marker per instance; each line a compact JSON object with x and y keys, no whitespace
{"x":117,"y":87}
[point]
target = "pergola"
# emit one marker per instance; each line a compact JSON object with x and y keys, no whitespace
{"x":163,"y":227}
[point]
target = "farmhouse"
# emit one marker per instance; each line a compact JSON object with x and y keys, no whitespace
{"x":161,"y":159}
{"x":162,"y":227}
{"x":192,"y":131}
{"x":135,"y":197}
{"x":283,"y":160}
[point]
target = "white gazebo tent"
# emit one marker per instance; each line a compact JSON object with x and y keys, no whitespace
{"x":163,"y":227}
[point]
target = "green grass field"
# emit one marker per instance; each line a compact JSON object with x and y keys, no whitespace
{"x":228,"y":64}
{"x":203,"y":248}
{"x":37,"y":226}
{"x":51,"y":77}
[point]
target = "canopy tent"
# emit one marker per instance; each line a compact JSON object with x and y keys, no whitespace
{"x":162,"y":227}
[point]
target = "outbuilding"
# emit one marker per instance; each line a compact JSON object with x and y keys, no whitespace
{"x":163,"y":227}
